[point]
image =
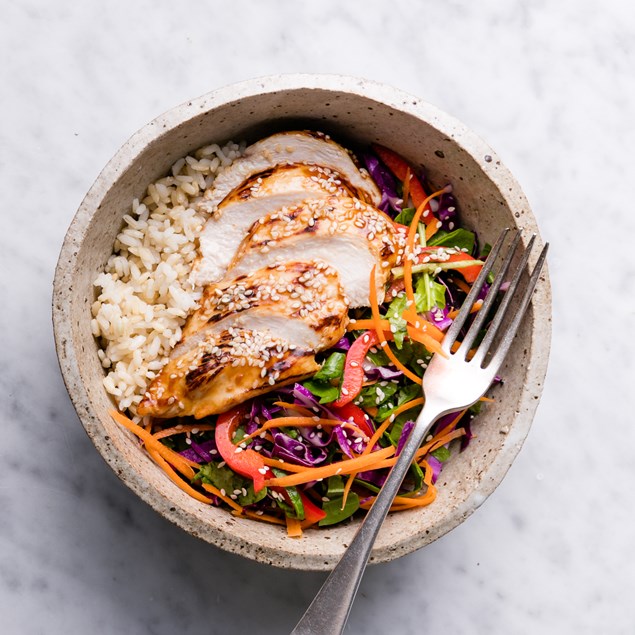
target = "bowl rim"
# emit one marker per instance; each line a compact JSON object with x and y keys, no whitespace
{"x":130,"y":151}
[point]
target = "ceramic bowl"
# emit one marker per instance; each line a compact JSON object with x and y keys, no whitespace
{"x":354,"y":111}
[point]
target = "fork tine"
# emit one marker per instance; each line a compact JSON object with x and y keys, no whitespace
{"x":457,"y":325}
{"x":492,"y":329}
{"x":473,"y":331}
{"x":508,"y":338}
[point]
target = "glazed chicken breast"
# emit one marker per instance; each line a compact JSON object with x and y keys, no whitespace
{"x":300,"y":306}
{"x":307,"y":147}
{"x":263,"y":193}
{"x":303,"y":300}
{"x":347,"y":234}
{"x":224,"y":369}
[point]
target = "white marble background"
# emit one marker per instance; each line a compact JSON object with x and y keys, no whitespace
{"x":551,"y":86}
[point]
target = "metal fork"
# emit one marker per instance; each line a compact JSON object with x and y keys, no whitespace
{"x":449,"y":384}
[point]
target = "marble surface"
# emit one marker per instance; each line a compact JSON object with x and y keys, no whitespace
{"x":551,"y":87}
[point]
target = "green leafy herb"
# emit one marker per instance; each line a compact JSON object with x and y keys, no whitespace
{"x":376,"y":395}
{"x":476,"y":408}
{"x":322,"y":384}
{"x":428,"y":294}
{"x":334,"y":511}
{"x":224,"y":478}
{"x":408,"y":393}
{"x":405,"y":216}
{"x":333,"y":368}
{"x":335,"y":487}
{"x":397,"y":427}
{"x":296,"y":508}
{"x":460,"y":238}
{"x":485,"y":251}
{"x":414,"y":479}
{"x":393,"y":315}
{"x":442,"y":454}
{"x":325,"y":391}
{"x":379,"y":358}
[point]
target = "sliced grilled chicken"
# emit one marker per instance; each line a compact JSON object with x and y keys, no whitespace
{"x":345,"y":233}
{"x":301,"y":301}
{"x":311,"y":148}
{"x":263,"y":193}
{"x":223,"y":370}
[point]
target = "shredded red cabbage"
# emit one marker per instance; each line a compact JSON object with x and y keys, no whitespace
{"x":297,"y":450}
{"x":436,"y":466}
{"x":403,"y":437}
{"x":390,"y":203}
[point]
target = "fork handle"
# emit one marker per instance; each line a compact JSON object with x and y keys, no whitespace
{"x":330,"y":608}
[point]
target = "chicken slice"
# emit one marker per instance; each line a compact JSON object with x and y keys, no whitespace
{"x":311,"y":148}
{"x":345,"y":233}
{"x":263,"y":193}
{"x":304,"y":301}
{"x":224,"y":369}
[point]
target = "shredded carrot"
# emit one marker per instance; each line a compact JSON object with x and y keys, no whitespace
{"x":413,"y":403}
{"x":346,"y":466}
{"x":420,"y":500}
{"x":423,"y":338}
{"x":406,"y":186}
{"x":410,"y":244}
{"x":283,"y":465}
{"x":452,"y":423}
{"x":182,"y":464}
{"x":175,"y":478}
{"x":432,"y":229}
{"x":488,"y":399}
{"x":168,"y":432}
{"x":367,"y":325}
{"x":372,"y":410}
{"x":412,"y":317}
{"x":302,"y":422}
{"x":470,"y":353}
{"x":347,"y":488}
{"x":380,"y":334}
{"x":438,"y":441}
{"x":461,"y":285}
{"x":294,"y":528}
{"x":306,"y":412}
{"x":214,"y":490}
{"x":475,"y":307}
{"x":399,"y":503}
{"x":246,"y":513}
{"x":433,"y":444}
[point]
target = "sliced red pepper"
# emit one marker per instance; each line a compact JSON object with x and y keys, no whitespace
{"x":399,"y":167}
{"x":353,"y":369}
{"x":312,"y":513}
{"x":246,"y":462}
{"x":352,"y":412}
{"x":470,"y":274}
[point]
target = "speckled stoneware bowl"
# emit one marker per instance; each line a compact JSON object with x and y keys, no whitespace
{"x":354,"y":111}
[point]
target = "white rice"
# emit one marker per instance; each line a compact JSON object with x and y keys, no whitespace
{"x":144,"y":292}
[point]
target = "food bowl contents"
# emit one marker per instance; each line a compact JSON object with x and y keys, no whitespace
{"x":266,"y":320}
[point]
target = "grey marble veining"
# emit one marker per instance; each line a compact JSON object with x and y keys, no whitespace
{"x":551,"y":87}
